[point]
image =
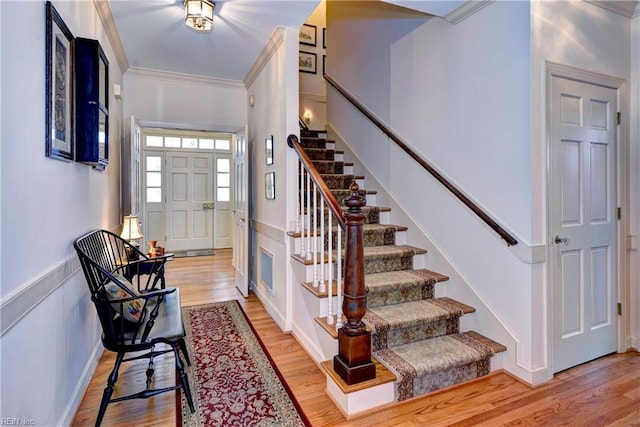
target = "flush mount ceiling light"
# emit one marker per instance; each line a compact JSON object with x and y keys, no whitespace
{"x":199,"y":14}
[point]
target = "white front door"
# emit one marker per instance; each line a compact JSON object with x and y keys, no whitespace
{"x":582,"y":221}
{"x":241,"y":200}
{"x":189,"y":207}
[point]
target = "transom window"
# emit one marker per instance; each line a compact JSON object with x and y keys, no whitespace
{"x":187,"y":140}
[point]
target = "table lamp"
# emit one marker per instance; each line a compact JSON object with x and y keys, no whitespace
{"x":131,"y":232}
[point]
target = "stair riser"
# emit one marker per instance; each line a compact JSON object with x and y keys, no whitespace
{"x":372,"y":215}
{"x":329,"y":167}
{"x":381,"y":297}
{"x":375,"y":264}
{"x":317,"y":143}
{"x":340,"y":194}
{"x":441,"y":379}
{"x":420,"y":331}
{"x":320,"y":154}
{"x":338,"y":182}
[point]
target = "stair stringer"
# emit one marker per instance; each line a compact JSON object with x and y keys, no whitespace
{"x":306,"y":307}
{"x":485,"y":320}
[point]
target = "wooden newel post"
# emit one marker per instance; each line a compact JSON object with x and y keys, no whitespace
{"x":353,"y":361}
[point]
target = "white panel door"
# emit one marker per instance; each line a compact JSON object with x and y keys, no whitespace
{"x":241,"y":200}
{"x":189,"y":206}
{"x":583,"y":222}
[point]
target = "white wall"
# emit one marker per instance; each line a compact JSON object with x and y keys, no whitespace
{"x":185,"y":101}
{"x":275,"y":89}
{"x":48,"y":354}
{"x":312,"y":86}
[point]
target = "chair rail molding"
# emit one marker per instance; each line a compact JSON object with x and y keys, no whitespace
{"x":20,"y":302}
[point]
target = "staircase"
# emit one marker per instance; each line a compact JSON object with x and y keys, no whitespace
{"x":414,"y":335}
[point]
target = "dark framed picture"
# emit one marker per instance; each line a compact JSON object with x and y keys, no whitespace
{"x":308,"y":35}
{"x":270,"y":185}
{"x":268,"y":146}
{"x":59,"y":87}
{"x":307,"y":62}
{"x":324,"y":64}
{"x":324,"y":38}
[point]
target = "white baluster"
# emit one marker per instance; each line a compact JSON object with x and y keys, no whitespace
{"x":339,"y":278}
{"x":315,"y":236}
{"x":330,"y":265}
{"x":299,"y":198}
{"x":303,"y":251}
{"x":308,"y":195}
{"x":323,"y":286}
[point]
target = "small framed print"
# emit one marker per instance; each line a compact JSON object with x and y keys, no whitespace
{"x":308,"y":35}
{"x":307,"y":62}
{"x":59,"y":87}
{"x":270,"y":185}
{"x":324,"y":38}
{"x":268,"y":146}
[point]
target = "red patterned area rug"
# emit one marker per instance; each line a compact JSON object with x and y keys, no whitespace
{"x":232,"y":377}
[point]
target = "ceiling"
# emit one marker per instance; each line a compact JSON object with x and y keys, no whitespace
{"x":154,"y":36}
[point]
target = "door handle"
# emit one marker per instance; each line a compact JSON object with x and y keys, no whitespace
{"x":242,"y":219}
{"x":561,"y":240}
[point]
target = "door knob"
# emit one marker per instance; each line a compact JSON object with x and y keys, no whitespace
{"x":561,"y":240}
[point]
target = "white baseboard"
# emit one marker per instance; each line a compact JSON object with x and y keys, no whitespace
{"x":78,"y":393}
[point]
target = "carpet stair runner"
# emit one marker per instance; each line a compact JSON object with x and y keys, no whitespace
{"x":413,"y":334}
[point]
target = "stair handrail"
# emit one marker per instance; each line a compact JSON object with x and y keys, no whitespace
{"x":511,"y":241}
{"x":302,"y":124}
{"x":334,"y":206}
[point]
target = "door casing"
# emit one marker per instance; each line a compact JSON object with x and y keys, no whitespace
{"x":571,"y":73}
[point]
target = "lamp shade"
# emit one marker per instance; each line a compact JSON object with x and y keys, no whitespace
{"x":131,"y":228}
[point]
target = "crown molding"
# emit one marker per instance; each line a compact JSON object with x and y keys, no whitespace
{"x":276,"y":39}
{"x":181,"y":77}
{"x":109,"y":24}
{"x":628,"y":9}
{"x":466,"y":10}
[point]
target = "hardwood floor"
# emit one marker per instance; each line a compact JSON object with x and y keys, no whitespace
{"x":600,"y":393}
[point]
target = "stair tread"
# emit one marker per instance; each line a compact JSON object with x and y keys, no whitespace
{"x":330,"y":328}
{"x":466,"y":309}
{"x":497,"y":347}
{"x":305,"y":261}
{"x":370,"y":251}
{"x":316,"y":289}
{"x":367,"y":228}
{"x":383,"y":376}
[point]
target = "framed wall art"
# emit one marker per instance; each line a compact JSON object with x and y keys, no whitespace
{"x":59,"y":87}
{"x":308,"y":35}
{"x":268,"y":146}
{"x":307,"y":62}
{"x":270,"y":185}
